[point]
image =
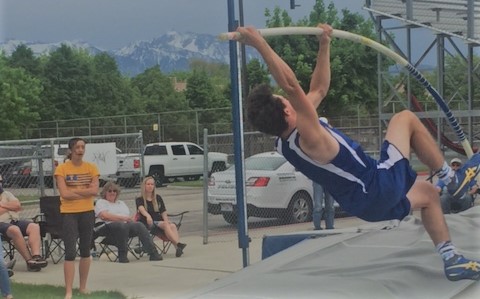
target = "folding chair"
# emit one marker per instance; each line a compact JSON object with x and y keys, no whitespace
{"x":8,"y":247}
{"x":159,"y":233}
{"x":107,"y":244}
{"x":51,"y":228}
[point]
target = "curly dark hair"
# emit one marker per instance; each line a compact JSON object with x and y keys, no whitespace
{"x":265,"y":111}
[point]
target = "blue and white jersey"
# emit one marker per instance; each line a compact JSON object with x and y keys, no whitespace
{"x":359,"y":183}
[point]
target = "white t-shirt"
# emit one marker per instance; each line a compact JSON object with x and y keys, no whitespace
{"x":5,"y":197}
{"x":118,"y":208}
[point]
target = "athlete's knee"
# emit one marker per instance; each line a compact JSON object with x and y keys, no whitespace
{"x":404,"y":117}
{"x":423,"y":194}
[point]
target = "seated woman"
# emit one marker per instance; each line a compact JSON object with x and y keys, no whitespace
{"x":120,"y":225}
{"x":153,"y":214}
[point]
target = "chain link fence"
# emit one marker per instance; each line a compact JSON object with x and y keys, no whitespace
{"x":27,"y":166}
{"x":185,"y":125}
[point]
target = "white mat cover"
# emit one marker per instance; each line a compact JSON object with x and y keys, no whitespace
{"x":373,"y":263}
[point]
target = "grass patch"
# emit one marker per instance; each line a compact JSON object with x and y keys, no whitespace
{"x":27,"y":198}
{"x":42,"y":291}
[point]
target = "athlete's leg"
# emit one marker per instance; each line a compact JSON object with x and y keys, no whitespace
{"x":424,"y":195}
{"x":406,"y":131}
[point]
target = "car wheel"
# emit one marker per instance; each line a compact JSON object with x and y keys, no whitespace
{"x":300,"y":208}
{"x":159,"y":179}
{"x":230,"y":217}
{"x":48,"y":180}
{"x":158,"y":174}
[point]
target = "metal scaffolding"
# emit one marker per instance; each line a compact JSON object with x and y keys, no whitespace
{"x":453,"y":25}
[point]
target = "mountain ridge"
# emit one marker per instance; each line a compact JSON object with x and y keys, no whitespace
{"x":172,"y":51}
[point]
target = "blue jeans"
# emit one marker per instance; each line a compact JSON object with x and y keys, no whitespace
{"x":319,"y":198}
{"x":457,"y":205}
{"x":4,"y":279}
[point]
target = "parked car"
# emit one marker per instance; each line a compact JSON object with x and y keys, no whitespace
{"x":274,"y":189}
{"x":20,"y":176}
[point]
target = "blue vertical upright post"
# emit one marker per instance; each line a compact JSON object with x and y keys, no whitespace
{"x":243,"y":240}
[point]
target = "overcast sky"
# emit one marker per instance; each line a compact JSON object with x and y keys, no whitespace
{"x":112,"y":24}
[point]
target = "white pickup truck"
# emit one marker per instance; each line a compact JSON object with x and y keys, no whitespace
{"x":128,"y":169}
{"x":170,"y":160}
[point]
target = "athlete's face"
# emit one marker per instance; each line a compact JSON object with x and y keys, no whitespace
{"x":290,"y":113}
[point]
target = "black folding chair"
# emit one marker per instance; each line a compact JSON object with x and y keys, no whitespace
{"x":108,"y":245}
{"x":8,"y":247}
{"x":51,"y":228}
{"x":160,"y":234}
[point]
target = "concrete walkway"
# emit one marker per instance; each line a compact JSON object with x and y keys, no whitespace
{"x":199,"y":266}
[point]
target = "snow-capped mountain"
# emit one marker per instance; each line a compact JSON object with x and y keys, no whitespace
{"x":171,"y":51}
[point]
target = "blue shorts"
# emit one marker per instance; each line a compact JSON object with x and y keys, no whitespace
{"x":22,"y":224}
{"x":387,"y":191}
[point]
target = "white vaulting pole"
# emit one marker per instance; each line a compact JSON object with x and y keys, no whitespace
{"x":378,"y":47}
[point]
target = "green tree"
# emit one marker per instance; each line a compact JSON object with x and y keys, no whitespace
{"x":257,"y":73}
{"x":157,"y":91}
{"x":353,"y":65}
{"x":23,"y":57}
{"x":114,"y":95}
{"x":201,"y":94}
{"x":456,"y":82}
{"x":157,"y":94}
{"x":20,"y":99}
{"x":69,"y":84}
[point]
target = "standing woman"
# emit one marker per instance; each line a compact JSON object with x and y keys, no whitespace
{"x":153,"y":214}
{"x":77,"y":182}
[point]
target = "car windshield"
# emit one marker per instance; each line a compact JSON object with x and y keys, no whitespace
{"x":262,"y":163}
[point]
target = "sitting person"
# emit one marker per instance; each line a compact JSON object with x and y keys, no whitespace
{"x":153,"y":214}
{"x":461,"y":201}
{"x":15,"y":229}
{"x":120,"y":225}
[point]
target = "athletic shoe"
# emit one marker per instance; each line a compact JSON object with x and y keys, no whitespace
{"x":458,"y":267}
{"x":33,"y":266}
{"x":467,"y":173}
{"x":40,"y":261}
{"x":155,"y":256}
{"x":180,"y":247}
